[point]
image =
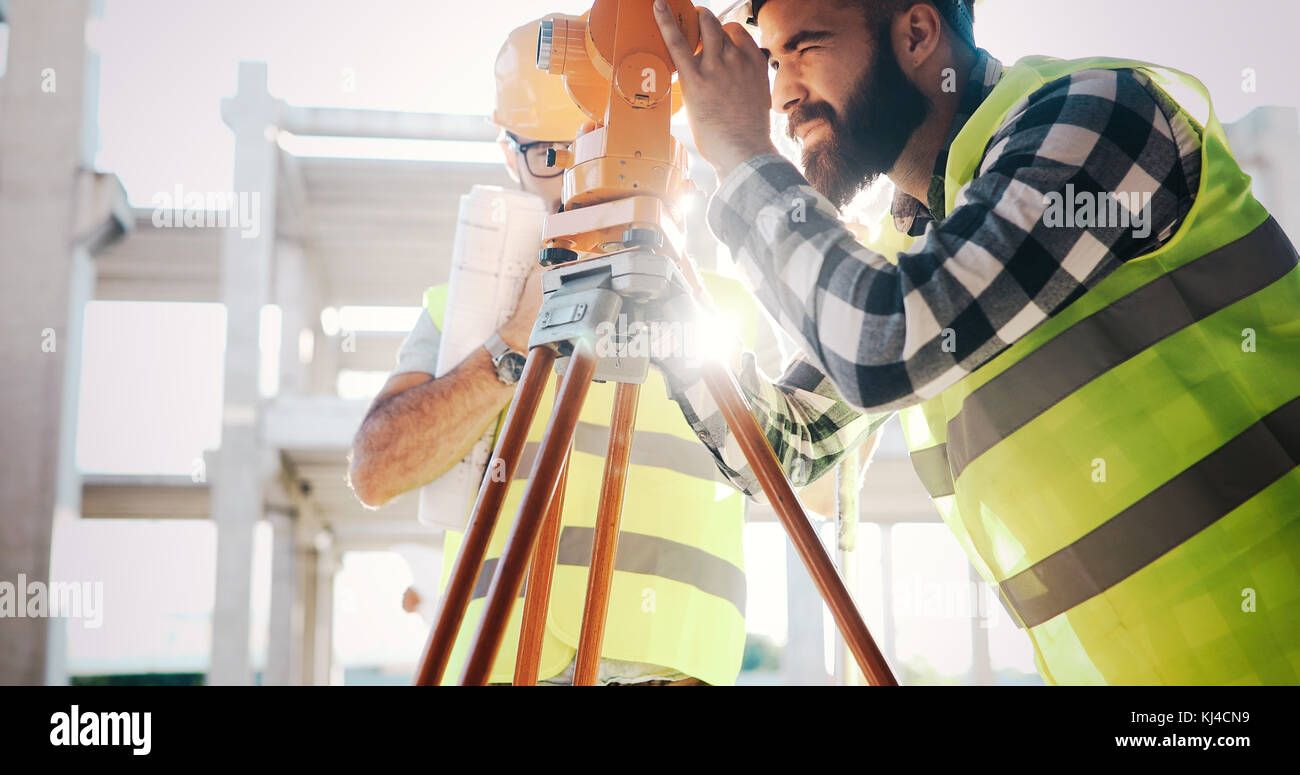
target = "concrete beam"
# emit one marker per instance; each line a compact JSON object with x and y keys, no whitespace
{"x":144,"y":497}
{"x":347,"y":122}
{"x":318,"y":423}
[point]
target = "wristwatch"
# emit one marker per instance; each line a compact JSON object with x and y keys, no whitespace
{"x":508,"y":363}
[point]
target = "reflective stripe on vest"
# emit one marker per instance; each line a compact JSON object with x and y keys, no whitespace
{"x":1177,"y":510}
{"x":651,"y":555}
{"x":679,"y":585}
{"x":1114,"y":334}
{"x":649,"y":448}
{"x":1128,"y":473}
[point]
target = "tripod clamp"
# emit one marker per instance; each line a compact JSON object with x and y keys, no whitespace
{"x":608,"y":300}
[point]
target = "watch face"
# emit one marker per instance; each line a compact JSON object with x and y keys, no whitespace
{"x":510,"y":367}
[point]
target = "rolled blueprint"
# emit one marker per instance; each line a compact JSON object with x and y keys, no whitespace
{"x":498,"y":234}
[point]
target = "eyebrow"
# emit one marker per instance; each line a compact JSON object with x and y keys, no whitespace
{"x":802,"y":36}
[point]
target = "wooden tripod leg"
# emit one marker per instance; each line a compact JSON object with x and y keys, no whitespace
{"x":537,"y":590}
{"x":722,"y":386}
{"x":491,"y":494}
{"x":537,"y":497}
{"x":608,"y":516}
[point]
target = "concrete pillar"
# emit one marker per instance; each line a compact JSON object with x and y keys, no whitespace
{"x":803,"y":662}
{"x":67,"y":503}
{"x":42,"y":116}
{"x":1267,"y":145}
{"x":296,"y":298}
{"x":886,"y":636}
{"x":306,"y":604}
{"x":317,"y":562}
{"x":981,"y":666}
{"x":246,"y":260}
{"x":284,"y":640}
{"x":320,"y":668}
{"x":847,"y":672}
{"x":325,"y":365}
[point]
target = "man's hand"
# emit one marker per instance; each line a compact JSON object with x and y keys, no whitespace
{"x":519,"y":327}
{"x":724,"y":87}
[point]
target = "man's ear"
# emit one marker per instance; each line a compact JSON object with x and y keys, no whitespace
{"x":512,"y":159}
{"x":916,"y":32}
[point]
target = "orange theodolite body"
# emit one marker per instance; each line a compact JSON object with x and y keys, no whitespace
{"x":617,"y":70}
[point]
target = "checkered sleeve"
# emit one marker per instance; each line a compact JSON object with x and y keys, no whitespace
{"x":805,"y":419}
{"x":1002,"y":261}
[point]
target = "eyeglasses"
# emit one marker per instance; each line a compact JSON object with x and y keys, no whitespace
{"x":535,"y":155}
{"x":741,"y":12}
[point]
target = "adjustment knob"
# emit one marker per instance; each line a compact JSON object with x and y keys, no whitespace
{"x":556,"y":256}
{"x":643,"y":238}
{"x":545,"y":43}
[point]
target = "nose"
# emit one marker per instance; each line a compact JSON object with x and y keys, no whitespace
{"x":787,"y":91}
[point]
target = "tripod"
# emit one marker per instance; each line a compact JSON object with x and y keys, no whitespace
{"x":580,"y":298}
{"x":616,"y":181}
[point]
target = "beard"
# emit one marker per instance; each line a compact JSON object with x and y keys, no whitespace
{"x":861,"y":144}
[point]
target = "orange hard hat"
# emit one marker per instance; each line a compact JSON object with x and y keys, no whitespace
{"x":532,"y":103}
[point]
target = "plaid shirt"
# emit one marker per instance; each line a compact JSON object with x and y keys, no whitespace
{"x":886,"y":336}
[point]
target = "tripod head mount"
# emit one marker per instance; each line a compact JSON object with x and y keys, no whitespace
{"x":613,"y":301}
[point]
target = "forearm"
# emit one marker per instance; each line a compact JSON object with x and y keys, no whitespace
{"x":410,"y":438}
{"x":983,"y":275}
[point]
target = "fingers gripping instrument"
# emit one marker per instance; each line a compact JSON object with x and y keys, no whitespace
{"x":613,"y":250}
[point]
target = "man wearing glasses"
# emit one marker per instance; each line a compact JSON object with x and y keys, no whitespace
{"x":534,"y":154}
{"x":676,"y":613}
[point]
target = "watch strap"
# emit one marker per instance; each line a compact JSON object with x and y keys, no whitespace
{"x":496,"y":346}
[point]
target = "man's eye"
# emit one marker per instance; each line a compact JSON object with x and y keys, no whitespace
{"x":775,"y":65}
{"x":806,"y":49}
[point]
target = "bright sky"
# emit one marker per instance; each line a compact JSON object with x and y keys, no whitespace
{"x":166,"y":65}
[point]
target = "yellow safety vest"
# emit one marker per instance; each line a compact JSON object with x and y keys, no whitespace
{"x":1126,"y":474}
{"x":678,"y":594}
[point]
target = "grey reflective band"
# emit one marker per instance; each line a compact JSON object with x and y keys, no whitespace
{"x":1179,"y":509}
{"x":652,"y":448}
{"x":485,"y":573}
{"x":651,"y":555}
{"x":931,"y":466}
{"x":1006,"y":606}
{"x":655,"y":556}
{"x":649,"y":448}
{"x":526,"y":459}
{"x":1114,"y":334}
